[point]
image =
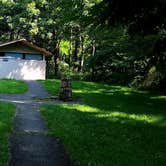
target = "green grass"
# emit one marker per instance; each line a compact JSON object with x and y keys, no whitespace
{"x":115,"y":126}
{"x":12,"y":86}
{"x":6,"y":115}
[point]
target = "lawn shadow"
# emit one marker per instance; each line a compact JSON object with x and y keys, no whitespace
{"x":114,"y":126}
{"x":117,"y":98}
{"x":111,"y":139}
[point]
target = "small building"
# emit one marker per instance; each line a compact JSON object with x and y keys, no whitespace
{"x":22,"y":60}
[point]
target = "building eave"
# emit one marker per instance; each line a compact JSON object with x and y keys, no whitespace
{"x":28,"y":44}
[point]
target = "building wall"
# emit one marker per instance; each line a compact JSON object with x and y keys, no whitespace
{"x":22,"y":69}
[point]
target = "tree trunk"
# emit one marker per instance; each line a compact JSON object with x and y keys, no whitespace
{"x":82,"y":54}
{"x":76,"y":48}
{"x":11,"y":35}
{"x":71,"y":47}
{"x":76,"y":55}
{"x":47,"y":67}
{"x":56,"y":59}
{"x":93,"y":54}
{"x":93,"y":47}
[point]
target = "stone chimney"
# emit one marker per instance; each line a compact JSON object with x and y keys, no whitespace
{"x":65,"y":93}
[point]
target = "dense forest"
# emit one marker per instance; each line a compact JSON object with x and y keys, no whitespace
{"x":112,"y":41}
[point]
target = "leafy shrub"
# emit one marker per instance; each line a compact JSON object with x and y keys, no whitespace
{"x":64,"y":68}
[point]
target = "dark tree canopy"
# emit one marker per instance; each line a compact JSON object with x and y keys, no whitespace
{"x":143,"y":17}
{"x":115,"y":41}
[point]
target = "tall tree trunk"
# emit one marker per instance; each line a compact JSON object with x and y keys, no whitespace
{"x":47,"y":67}
{"x":82,"y":54}
{"x":71,"y":47}
{"x":76,"y":48}
{"x":76,"y":55}
{"x":56,"y":44}
{"x":12,"y":35}
{"x":56,"y":59}
{"x":93,"y":47}
{"x":93,"y":54}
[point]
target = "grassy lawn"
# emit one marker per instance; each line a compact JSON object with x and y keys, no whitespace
{"x":6,"y":115}
{"x":12,"y":86}
{"x":115,"y":126}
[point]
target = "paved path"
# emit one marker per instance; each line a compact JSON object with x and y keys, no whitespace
{"x":30,"y":145}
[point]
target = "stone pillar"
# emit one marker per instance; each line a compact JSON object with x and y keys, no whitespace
{"x":65,"y":93}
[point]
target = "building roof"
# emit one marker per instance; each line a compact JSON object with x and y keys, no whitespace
{"x":28,"y":44}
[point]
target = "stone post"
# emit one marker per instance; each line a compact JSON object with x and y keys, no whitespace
{"x":65,"y":93}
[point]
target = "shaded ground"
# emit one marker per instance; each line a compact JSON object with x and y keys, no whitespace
{"x":30,"y":145}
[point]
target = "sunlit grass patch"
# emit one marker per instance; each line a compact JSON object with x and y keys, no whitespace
{"x":12,"y":86}
{"x":122,"y":118}
{"x":158,"y":97}
{"x":80,"y":107}
{"x":115,"y":116}
{"x":6,"y":115}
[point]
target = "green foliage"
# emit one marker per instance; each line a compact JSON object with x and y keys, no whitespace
{"x":111,"y":62}
{"x":113,"y":124}
{"x":84,"y":36}
{"x":142,"y":17}
{"x":64,"y":47}
{"x":64,"y":69}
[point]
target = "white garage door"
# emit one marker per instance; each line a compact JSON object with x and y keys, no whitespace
{"x":22,"y":69}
